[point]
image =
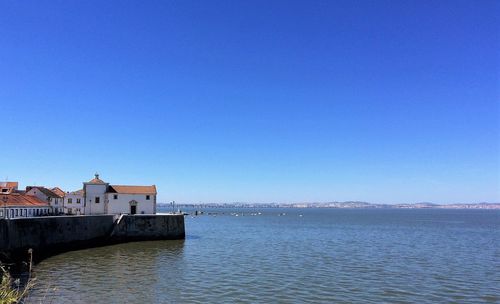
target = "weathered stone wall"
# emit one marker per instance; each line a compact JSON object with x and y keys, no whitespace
{"x":149,"y":227}
{"x":49,"y":235}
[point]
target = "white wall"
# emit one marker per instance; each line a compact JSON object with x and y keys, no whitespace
{"x":91,"y":192}
{"x":122,"y":203}
{"x":55,"y":203}
{"x":72,"y":208}
{"x":24,"y":211}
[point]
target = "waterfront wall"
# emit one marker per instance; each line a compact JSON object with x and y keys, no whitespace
{"x":54,"y":234}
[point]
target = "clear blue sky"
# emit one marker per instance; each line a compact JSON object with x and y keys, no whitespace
{"x":255,"y":101}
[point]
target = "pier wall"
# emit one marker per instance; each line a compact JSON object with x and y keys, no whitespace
{"x":55,"y":234}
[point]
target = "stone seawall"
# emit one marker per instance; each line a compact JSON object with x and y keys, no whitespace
{"x":55,"y":234}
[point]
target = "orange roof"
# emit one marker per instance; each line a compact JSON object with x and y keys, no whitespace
{"x":96,"y":181}
{"x":8,"y":187}
{"x":46,"y":191}
{"x":16,"y":199}
{"x":58,"y":191}
{"x":132,"y":189}
{"x":9,"y":184}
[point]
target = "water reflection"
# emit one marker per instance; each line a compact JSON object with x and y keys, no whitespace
{"x":120,"y":273}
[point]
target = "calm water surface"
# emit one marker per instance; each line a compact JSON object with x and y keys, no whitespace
{"x":303,"y":255}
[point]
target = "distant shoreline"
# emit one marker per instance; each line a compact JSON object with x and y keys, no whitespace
{"x":340,"y":205}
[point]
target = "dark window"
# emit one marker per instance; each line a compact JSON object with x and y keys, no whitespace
{"x":78,"y":201}
{"x":70,"y":200}
{"x":147,"y":197}
{"x":115,"y":196}
{"x":97,"y":199}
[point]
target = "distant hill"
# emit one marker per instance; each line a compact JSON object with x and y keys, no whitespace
{"x":347,"y":205}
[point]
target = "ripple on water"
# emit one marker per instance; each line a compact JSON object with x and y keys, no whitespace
{"x":356,"y":256}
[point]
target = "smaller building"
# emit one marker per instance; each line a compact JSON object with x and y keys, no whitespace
{"x":54,"y":200}
{"x":17,"y":205}
{"x":131,"y":199}
{"x":74,"y":202}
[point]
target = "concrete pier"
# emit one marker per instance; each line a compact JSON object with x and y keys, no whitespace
{"x":55,"y":234}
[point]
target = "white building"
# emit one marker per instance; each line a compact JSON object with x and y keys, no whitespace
{"x":96,"y":197}
{"x":47,"y":195}
{"x":99,"y":197}
{"x":74,"y":202}
{"x":16,"y":205}
{"x":131,"y":199}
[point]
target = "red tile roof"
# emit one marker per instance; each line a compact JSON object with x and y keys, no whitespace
{"x":9,"y":184}
{"x":46,"y":191}
{"x":96,"y":181}
{"x":22,"y":200}
{"x":58,"y":191}
{"x":132,"y":189}
{"x":8,"y":187}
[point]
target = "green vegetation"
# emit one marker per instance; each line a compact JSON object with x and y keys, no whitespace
{"x":11,"y":290}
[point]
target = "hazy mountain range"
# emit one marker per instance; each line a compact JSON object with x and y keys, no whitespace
{"x":348,"y":204}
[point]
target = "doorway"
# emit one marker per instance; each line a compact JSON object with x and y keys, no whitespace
{"x":133,"y":209}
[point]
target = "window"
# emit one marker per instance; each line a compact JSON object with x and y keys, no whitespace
{"x":5,"y":190}
{"x":25,"y":212}
{"x":147,"y":197}
{"x":70,"y":200}
{"x":97,"y":199}
{"x":78,"y":201}
{"x":115,"y":196}
{"x":17,"y":212}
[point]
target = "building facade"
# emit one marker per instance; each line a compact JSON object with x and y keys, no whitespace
{"x":100,"y":197}
{"x":17,"y":205}
{"x":96,"y":197}
{"x":131,"y":199}
{"x":74,"y":202}
{"x":45,"y":194}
